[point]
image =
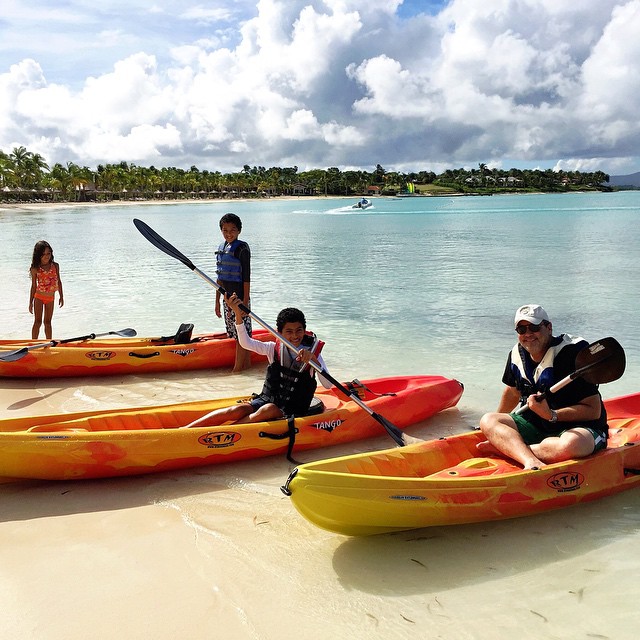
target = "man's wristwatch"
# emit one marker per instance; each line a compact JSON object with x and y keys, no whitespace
{"x":554,"y":416}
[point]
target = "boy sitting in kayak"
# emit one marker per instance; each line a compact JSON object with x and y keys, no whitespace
{"x":290,"y":380}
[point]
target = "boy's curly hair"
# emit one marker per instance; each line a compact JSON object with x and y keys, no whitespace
{"x":290,"y":314}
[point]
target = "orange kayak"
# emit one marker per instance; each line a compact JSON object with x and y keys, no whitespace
{"x":443,"y":482}
{"x":146,"y":440}
{"x":118,"y":356}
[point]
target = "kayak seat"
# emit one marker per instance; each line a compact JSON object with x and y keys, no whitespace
{"x":181,"y":336}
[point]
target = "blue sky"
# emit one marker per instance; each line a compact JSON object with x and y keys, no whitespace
{"x":315,"y":83}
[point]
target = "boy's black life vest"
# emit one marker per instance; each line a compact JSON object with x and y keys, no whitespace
{"x":290,"y":384}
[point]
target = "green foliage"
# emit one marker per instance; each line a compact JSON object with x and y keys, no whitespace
{"x":23,"y":173}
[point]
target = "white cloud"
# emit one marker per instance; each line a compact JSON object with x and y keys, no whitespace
{"x":325,"y":83}
{"x":205,"y":14}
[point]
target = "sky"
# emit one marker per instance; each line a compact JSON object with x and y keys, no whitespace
{"x":414,"y":85}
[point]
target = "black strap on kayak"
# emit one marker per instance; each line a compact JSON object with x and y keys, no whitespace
{"x":631,"y":472}
{"x":285,"y":487}
{"x":359,"y":388}
{"x":133,"y":354}
{"x":289,"y":433}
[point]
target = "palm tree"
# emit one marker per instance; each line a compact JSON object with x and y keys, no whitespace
{"x":19,"y":157}
{"x":35,"y":167}
{"x":7,"y":173}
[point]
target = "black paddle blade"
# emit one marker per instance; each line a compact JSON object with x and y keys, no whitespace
{"x":602,"y":361}
{"x":12,"y":356}
{"x":125,"y":333}
{"x":392,"y":430}
{"x":159,"y":242}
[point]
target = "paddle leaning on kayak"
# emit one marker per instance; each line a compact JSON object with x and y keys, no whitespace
{"x":552,"y":424}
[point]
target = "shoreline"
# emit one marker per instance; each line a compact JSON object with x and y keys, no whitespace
{"x":18,"y":206}
{"x":12,"y":206}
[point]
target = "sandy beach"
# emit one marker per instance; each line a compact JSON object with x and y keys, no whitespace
{"x":25,"y":206}
{"x":206,"y":553}
{"x":219,"y":552}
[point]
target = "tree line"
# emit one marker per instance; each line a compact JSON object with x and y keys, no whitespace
{"x":26,"y":175}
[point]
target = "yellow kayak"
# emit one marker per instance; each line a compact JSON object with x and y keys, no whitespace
{"x":445,"y":481}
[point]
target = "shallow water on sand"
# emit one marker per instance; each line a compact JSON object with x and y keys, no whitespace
{"x":418,"y":285}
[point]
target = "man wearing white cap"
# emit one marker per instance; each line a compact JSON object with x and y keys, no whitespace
{"x":571,"y":423}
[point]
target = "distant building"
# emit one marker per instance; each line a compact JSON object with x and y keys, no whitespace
{"x":302,"y":190}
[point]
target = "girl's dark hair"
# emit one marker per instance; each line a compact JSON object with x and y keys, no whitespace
{"x":231,"y":218}
{"x":290,"y":314}
{"x":38,"y":250}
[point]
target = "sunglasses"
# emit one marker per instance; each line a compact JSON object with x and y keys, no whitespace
{"x":521,"y":329}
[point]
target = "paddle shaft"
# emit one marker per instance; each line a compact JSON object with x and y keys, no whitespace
{"x":11,"y":356}
{"x":170,"y":250}
{"x":393,"y":431}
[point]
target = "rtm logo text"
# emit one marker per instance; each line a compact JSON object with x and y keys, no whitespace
{"x":565,"y":481}
{"x":219,"y":439}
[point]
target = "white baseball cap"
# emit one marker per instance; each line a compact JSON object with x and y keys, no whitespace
{"x":532,"y":313}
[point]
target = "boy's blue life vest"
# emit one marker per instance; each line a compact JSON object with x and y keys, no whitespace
{"x":531,"y":378}
{"x":289,"y":383}
{"x":228,"y":265}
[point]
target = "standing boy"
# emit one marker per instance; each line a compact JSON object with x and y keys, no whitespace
{"x":233,"y":266}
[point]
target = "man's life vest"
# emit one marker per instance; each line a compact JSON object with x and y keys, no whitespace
{"x":531,"y":378}
{"x":289,"y":383}
{"x":228,"y":265}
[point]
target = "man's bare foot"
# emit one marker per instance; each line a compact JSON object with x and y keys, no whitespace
{"x":487,"y":449}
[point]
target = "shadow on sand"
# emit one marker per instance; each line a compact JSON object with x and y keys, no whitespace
{"x":443,"y":558}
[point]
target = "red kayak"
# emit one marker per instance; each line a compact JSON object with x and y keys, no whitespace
{"x":118,"y":356}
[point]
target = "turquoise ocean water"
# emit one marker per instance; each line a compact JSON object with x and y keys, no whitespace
{"x":411,"y":285}
{"x":421,"y":285}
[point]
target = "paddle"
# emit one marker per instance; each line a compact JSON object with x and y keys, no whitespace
{"x":158,"y":241}
{"x":11,"y":356}
{"x":602,"y":361}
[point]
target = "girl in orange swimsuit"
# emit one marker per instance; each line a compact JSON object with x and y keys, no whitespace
{"x":45,"y":281}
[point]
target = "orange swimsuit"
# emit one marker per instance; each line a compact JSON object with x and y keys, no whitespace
{"x":46,"y":284}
